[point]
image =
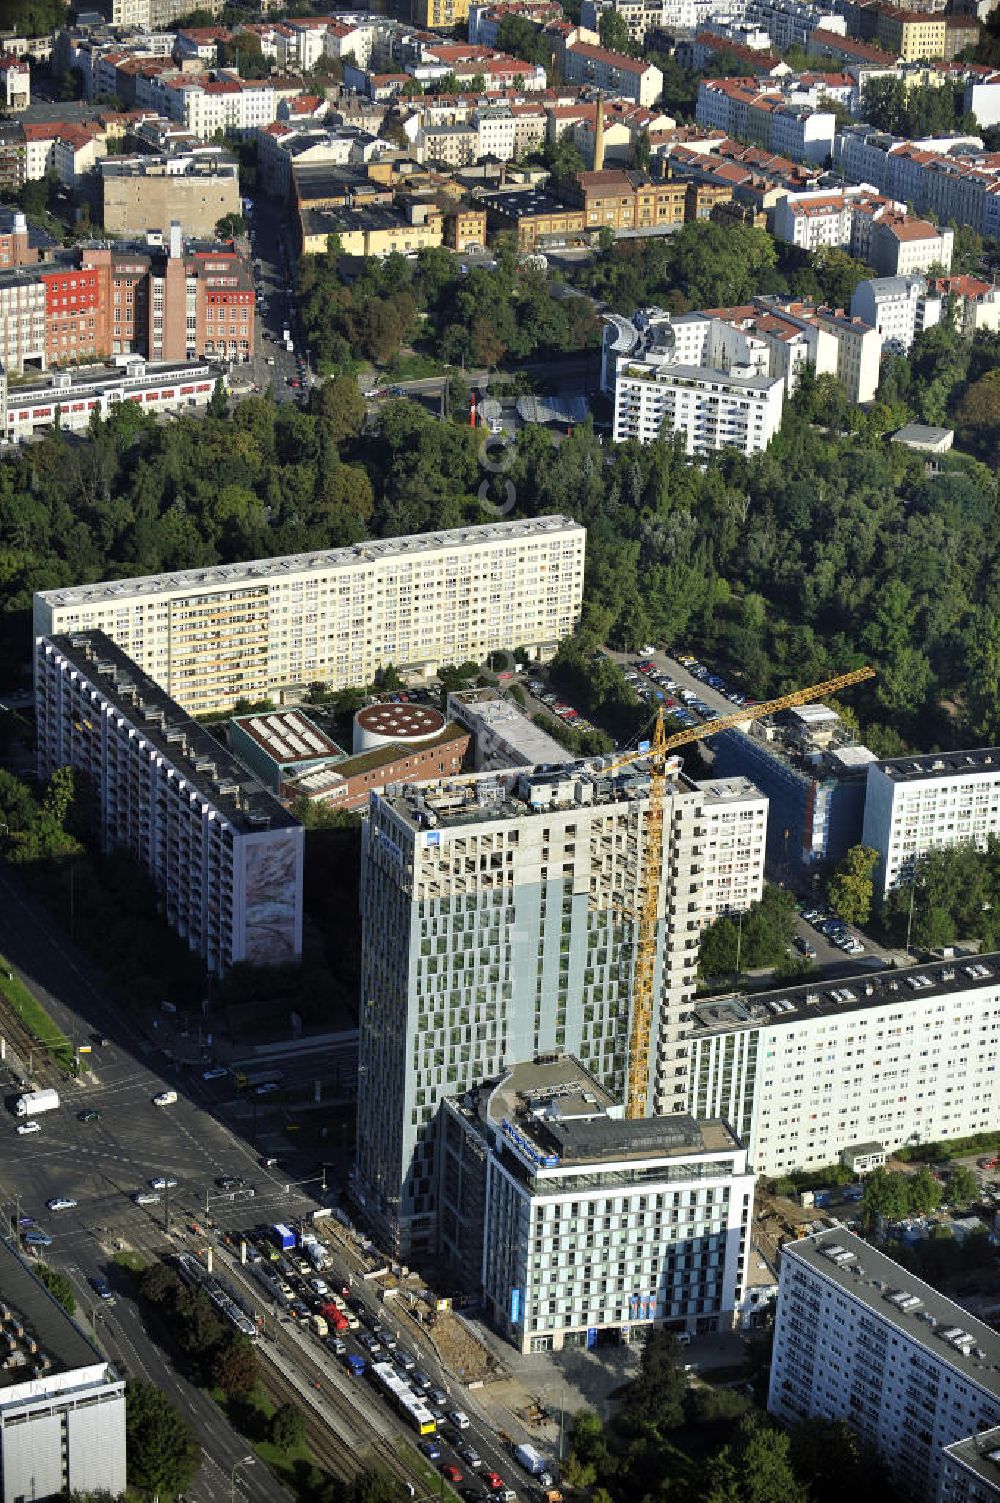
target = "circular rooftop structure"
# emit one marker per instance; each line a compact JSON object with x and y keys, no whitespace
{"x":388,"y":724}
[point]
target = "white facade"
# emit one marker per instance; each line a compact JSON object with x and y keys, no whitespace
{"x":62,"y":1412}
{"x":918,"y":804}
{"x":596,"y":1224}
{"x":713,"y":409}
{"x":898,"y":308}
{"x":337,"y":616}
{"x":495,"y":929}
{"x":224,"y":855}
{"x":583,"y":62}
{"x":22,"y":320}
{"x":731,"y":845}
{"x":902,"y":248}
{"x":503,"y":736}
{"x":73,"y":397}
{"x":15,"y":85}
{"x":768,"y":338}
{"x":858,"y":1338}
{"x":983,"y":99}
{"x":804,"y":1072}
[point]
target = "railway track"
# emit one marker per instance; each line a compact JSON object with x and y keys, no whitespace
{"x":337,"y":1454}
{"x":20,"y":1039}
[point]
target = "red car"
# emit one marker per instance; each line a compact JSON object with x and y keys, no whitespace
{"x":494,"y":1481}
{"x":451,"y":1473}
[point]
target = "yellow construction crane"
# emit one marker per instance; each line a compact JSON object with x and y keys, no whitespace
{"x":652,"y":867}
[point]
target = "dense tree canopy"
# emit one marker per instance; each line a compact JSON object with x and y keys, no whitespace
{"x":917,"y":113}
{"x":163,"y":1454}
{"x":481,"y":317}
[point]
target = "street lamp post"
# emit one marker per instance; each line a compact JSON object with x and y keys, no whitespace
{"x":243,"y":1461}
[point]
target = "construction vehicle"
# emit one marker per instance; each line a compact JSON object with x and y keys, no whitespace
{"x":657,"y":753}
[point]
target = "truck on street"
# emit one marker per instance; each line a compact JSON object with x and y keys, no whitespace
{"x":33,"y":1102}
{"x":534,"y":1464}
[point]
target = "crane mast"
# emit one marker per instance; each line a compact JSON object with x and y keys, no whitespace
{"x":644,"y":974}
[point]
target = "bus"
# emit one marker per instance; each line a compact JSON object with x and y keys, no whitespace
{"x":402,"y":1398}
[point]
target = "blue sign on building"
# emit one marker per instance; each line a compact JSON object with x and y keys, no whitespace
{"x":515,"y":1307}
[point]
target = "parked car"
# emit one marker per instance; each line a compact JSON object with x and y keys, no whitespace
{"x":61,"y":1203}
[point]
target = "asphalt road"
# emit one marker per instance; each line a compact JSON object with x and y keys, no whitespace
{"x":272,"y":247}
{"x":100,"y":1164}
{"x":202,"y":1136}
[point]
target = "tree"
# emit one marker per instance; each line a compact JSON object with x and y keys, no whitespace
{"x":962,"y":1188}
{"x":886,"y":1195}
{"x":58,"y":1286}
{"x":287,"y":1426}
{"x":341,"y":407}
{"x":163,"y":1454}
{"x":832,"y":1461}
{"x":924,"y":1192}
{"x":655,"y":1400}
{"x":977,"y":416}
{"x":373,"y":1486}
{"x":757,"y":1468}
{"x":614,"y":31}
{"x":217,"y":403}
{"x":851,"y":888}
{"x":234,"y":1366}
{"x":230,"y":226}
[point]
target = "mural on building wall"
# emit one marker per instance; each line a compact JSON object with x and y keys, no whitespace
{"x":273,"y":883}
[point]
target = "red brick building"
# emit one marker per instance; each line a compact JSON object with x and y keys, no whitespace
{"x":166,"y":303}
{"x":350,"y":784}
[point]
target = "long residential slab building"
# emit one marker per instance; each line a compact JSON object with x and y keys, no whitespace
{"x":804,"y":1072}
{"x":224,"y":855}
{"x":270,"y":627}
{"x":860,"y":1339}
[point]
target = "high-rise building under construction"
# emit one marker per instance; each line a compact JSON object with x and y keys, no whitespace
{"x":499,"y":925}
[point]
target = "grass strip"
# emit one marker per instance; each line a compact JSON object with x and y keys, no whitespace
{"x":35,"y":1018}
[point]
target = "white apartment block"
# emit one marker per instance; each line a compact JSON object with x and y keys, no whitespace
{"x":15,"y":84}
{"x":272,"y":626}
{"x":814,"y":220}
{"x":983,"y":100}
{"x":62,"y":1405}
{"x":765,"y":338}
{"x":804,"y":1072}
{"x":763,"y":117}
{"x":573,"y":1221}
{"x":902,"y":247}
{"x":790,"y":23}
{"x":731,"y":846}
{"x":614,"y":72}
{"x":222,"y":852}
{"x":898,"y":308}
{"x":713,"y":409}
{"x":858,"y":350}
{"x":22,"y":320}
{"x":860,"y":1339}
{"x":497,"y":921}
{"x":919,"y":804}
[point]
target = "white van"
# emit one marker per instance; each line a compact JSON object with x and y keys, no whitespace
{"x":165,"y":1098}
